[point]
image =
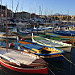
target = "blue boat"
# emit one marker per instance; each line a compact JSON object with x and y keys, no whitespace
{"x":65,"y":33}
{"x":45,"y":52}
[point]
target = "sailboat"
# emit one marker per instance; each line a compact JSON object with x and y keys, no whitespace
{"x":19,"y":61}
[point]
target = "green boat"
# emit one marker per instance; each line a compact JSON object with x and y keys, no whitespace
{"x":54,"y":38}
{"x":52,"y":43}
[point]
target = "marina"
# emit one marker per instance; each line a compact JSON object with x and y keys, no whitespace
{"x":57,"y":66}
{"x":35,"y":40}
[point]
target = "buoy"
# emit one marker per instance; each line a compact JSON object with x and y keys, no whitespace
{"x":22,"y":39}
{"x":11,"y":44}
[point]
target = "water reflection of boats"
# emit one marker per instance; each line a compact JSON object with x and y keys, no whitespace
{"x":43,"y":51}
{"x":22,"y":62}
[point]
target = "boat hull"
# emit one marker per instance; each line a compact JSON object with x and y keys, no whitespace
{"x":23,"y":70}
{"x":66,"y":49}
{"x":34,"y":48}
{"x":9,"y":37}
{"x":52,"y":56}
{"x":60,"y":36}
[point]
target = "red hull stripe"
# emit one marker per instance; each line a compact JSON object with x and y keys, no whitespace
{"x":41,"y":70}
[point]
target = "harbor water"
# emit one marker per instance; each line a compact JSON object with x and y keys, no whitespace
{"x":58,"y":67}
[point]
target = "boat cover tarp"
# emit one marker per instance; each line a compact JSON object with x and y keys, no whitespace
{"x":22,"y":58}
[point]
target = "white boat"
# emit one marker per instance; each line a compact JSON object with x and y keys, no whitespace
{"x":10,"y":36}
{"x":52,"y":43}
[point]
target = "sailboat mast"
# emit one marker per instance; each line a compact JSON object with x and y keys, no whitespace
{"x":6,"y":32}
{"x":1,"y":15}
{"x":12,"y":8}
{"x":68,"y":17}
{"x":46,"y":20}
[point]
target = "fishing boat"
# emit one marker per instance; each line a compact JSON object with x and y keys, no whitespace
{"x":72,"y":28}
{"x":22,"y":62}
{"x":64,"y":33}
{"x":10,"y":36}
{"x":54,"y":38}
{"x":60,"y":36}
{"x":45,"y":52}
{"x":52,"y":43}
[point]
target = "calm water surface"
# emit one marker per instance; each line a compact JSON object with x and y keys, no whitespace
{"x":61,"y":67}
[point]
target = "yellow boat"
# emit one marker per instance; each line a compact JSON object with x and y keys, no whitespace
{"x":40,"y":50}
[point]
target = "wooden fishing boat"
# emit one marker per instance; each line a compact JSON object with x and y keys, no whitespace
{"x":43,"y":51}
{"x":22,"y":62}
{"x":72,"y":41}
{"x":65,"y":33}
{"x":72,"y":29}
{"x":60,"y":36}
{"x":10,"y":36}
{"x":54,"y":38}
{"x":52,"y":43}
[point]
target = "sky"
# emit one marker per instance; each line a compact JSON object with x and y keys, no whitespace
{"x":48,"y":7}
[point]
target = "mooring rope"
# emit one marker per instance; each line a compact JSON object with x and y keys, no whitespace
{"x":69,"y":60}
{"x":50,"y":70}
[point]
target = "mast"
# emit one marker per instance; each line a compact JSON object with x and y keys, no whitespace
{"x":68,"y":17}
{"x":30,"y":12}
{"x":17,"y":7}
{"x":22,"y":9}
{"x":35,"y":9}
{"x":46,"y":19}
{"x":12,"y":8}
{"x":1,"y":15}
{"x":6,"y":32}
{"x":39,"y":10}
{"x":51,"y":15}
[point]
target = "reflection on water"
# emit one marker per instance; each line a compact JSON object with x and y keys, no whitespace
{"x":61,"y":67}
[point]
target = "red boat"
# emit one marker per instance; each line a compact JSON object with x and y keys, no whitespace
{"x":23,"y":62}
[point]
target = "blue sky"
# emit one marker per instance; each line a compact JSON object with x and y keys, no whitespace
{"x":51,"y":6}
